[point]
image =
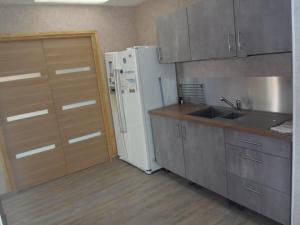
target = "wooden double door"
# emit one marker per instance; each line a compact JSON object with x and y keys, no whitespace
{"x":50,"y":107}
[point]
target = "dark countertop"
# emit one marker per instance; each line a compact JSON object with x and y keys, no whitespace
{"x":256,"y":122}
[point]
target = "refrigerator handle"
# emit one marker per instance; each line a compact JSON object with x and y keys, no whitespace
{"x":121,"y":114}
{"x":161,"y":91}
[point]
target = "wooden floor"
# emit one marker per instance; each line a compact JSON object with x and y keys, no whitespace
{"x":118,"y":194}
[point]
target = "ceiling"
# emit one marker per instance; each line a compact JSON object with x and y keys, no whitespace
{"x":111,"y":2}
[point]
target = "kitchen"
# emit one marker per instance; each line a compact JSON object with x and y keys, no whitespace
{"x":222,"y":162}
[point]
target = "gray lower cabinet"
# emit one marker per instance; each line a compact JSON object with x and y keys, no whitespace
{"x":264,"y":200}
{"x":168,"y":144}
{"x":204,"y":153}
{"x":269,"y":170}
{"x":263,"y":26}
{"x":252,"y":170}
{"x":211,"y":27}
{"x":259,"y":173}
{"x":173,"y":37}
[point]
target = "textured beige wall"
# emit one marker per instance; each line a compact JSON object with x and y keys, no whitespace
{"x":269,"y":65}
{"x":115,"y":25}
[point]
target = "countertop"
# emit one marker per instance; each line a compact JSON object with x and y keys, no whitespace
{"x":256,"y":122}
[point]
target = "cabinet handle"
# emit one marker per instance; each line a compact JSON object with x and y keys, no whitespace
{"x":252,"y":190}
{"x":159,"y":54}
{"x":229,"y":42}
{"x":253,"y":160}
{"x":184,"y":132}
{"x":239,"y":40}
{"x":251,"y":143}
{"x":178,"y":130}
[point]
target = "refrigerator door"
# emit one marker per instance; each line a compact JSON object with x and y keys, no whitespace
{"x":131,"y":108}
{"x":111,"y":63}
{"x":158,"y":86}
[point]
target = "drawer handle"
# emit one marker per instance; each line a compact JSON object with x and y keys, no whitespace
{"x":20,"y":77}
{"x":251,"y":143}
{"x":27,"y":115}
{"x":178,"y":131}
{"x":252,"y":190}
{"x":79,"y":105}
{"x":73,"y":70}
{"x":35,"y":151}
{"x":184,"y":132}
{"x":85,"y":137}
{"x":253,"y":160}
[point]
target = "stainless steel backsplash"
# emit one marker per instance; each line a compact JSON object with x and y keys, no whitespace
{"x":273,"y":94}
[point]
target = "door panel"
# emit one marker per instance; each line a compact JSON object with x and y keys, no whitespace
{"x":76,"y":96}
{"x":263,"y":27}
{"x":84,"y":154}
{"x":211,"y":28}
{"x":271,"y":171}
{"x":28,"y":117}
{"x":173,"y":37}
{"x":168,"y":144}
{"x":267,"y":201}
{"x":39,"y":168}
{"x":204,"y":153}
{"x":68,"y":50}
{"x":21,"y":57}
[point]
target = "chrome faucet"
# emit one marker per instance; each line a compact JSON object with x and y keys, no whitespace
{"x":237,"y":106}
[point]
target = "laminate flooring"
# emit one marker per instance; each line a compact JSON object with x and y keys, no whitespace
{"x":119,"y":194}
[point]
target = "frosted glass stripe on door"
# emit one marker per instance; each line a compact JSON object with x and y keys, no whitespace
{"x":27,"y":115}
{"x":73,"y":70}
{"x":35,"y":151}
{"x":85,"y":137}
{"x":79,"y":105}
{"x":20,"y":77}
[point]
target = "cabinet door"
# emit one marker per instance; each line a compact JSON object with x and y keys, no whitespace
{"x":75,"y":92}
{"x":168,"y":144}
{"x":269,"y":170}
{"x":173,"y":37}
{"x":211,"y":28}
{"x":28,"y":121}
{"x":267,"y":201}
{"x":263,"y":26}
{"x":204,"y":153}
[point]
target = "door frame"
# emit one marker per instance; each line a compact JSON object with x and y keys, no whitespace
{"x":102,"y":87}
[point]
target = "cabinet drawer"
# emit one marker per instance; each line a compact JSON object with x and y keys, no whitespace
{"x":260,"y":143}
{"x":268,"y":202}
{"x":84,"y":154}
{"x":37,"y":168}
{"x":269,"y":170}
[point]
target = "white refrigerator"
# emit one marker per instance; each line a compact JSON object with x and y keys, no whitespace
{"x":137,"y":84}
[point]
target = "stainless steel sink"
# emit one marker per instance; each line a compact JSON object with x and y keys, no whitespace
{"x":233,"y":116}
{"x":210,"y":112}
{"x":214,"y":112}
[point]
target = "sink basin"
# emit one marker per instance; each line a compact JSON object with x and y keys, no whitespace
{"x":210,"y":112}
{"x":233,"y":116}
{"x":215,"y":112}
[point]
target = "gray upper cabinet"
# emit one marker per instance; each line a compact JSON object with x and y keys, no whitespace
{"x":205,"y":158}
{"x":173,"y":37}
{"x":263,"y":26}
{"x":167,"y":138}
{"x":211,"y":29}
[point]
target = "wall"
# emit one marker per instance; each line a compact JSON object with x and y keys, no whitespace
{"x":115,"y":25}
{"x":296,"y":148}
{"x":271,"y":65}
